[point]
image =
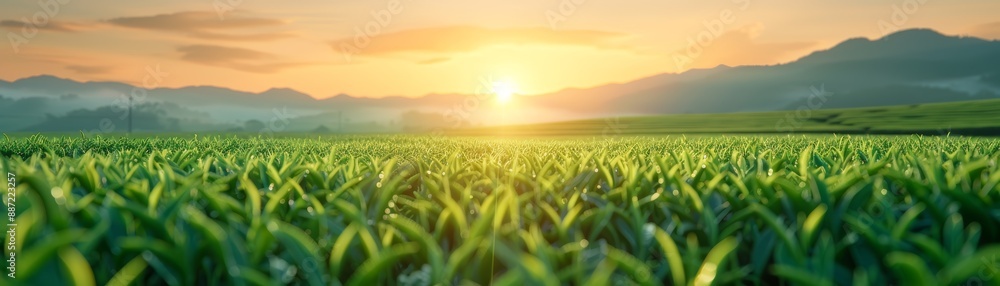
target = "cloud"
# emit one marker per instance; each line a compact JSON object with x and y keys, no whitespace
{"x":205,"y":25}
{"x":456,"y":39}
{"x":988,"y":30}
{"x":51,"y":26}
{"x":235,"y":58}
{"x":737,"y":47}
{"x":88,"y":69}
{"x":434,"y":61}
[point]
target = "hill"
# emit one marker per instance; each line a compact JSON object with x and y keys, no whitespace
{"x":909,"y":67}
{"x":959,"y":118}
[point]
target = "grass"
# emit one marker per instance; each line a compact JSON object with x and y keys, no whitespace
{"x":979,"y":117}
{"x":407,"y":210}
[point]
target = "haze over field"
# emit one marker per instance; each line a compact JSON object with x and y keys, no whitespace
{"x":516,"y":142}
{"x":412,"y":66}
{"x":908,"y":67}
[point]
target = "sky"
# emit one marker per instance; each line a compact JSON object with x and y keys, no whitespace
{"x":412,"y":48}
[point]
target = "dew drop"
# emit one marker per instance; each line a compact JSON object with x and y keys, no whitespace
{"x":59,"y":195}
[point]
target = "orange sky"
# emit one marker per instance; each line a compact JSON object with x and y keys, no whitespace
{"x":416,"y":47}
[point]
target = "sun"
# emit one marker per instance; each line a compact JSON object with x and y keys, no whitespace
{"x":504,"y":91}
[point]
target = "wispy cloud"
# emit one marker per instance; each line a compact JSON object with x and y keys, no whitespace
{"x":52,"y":25}
{"x":454,"y":39}
{"x":434,"y":61}
{"x":741,"y":47}
{"x":206,"y":25}
{"x":90,"y":69}
{"x":234,"y":58}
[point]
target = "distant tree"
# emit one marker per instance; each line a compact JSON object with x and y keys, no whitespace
{"x":254,"y":125}
{"x":321,"y":129}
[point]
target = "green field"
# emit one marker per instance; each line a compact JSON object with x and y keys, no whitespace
{"x":421,"y":210}
{"x":977,"y":117}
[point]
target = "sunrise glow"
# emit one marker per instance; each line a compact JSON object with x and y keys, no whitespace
{"x":504,"y":91}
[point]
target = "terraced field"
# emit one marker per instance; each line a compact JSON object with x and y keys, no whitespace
{"x":979,"y":117}
{"x":410,"y":210}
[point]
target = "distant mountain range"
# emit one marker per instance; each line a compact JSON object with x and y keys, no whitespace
{"x":907,"y":67}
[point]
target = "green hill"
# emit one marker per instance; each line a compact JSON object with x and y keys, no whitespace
{"x":980,"y":117}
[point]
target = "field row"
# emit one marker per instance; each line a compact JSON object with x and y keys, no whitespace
{"x":977,"y":117}
{"x":404,"y":210}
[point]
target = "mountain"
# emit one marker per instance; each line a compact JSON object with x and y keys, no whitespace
{"x":908,"y":67}
{"x":597,"y":98}
{"x":31,"y":104}
{"x":912,"y":44}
